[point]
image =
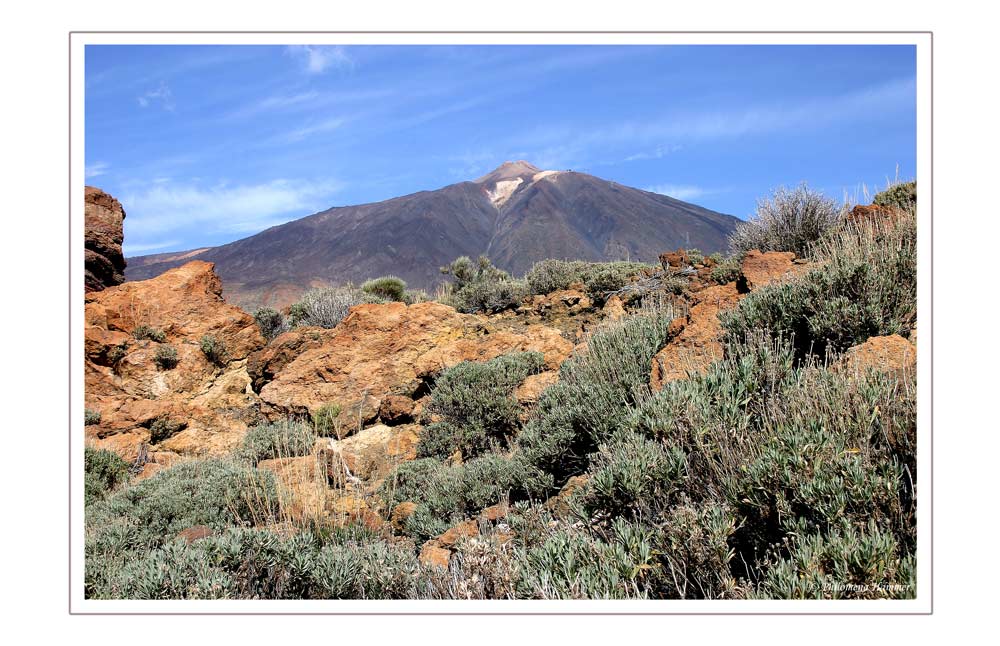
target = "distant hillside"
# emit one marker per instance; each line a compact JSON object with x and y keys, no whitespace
{"x":516,"y":215}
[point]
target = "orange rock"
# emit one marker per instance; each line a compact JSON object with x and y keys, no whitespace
{"x":392,"y":349}
{"x":396,"y":409}
{"x":559,"y":504}
{"x":697,"y":344}
{"x":263,"y":364}
{"x":466,"y":529}
{"x":892,"y":354}
{"x":760,"y":269}
{"x":494,"y":513}
{"x":195,"y":533}
{"x":613,"y":308}
{"x":373,"y":452}
{"x":433,"y":555}
{"x":674,"y":259}
{"x":532,"y":387}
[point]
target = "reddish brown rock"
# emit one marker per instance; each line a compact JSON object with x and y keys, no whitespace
{"x":214,"y":403}
{"x":760,"y":269}
{"x":674,"y":259}
{"x":532,"y":388}
{"x":892,"y":354}
{"x":104,"y":264}
{"x":396,"y":409}
{"x":697,"y":344}
{"x":864,"y":213}
{"x":559,"y":504}
{"x":400,"y":513}
{"x":195,"y":533}
{"x":463,"y":530}
{"x":263,"y":364}
{"x":433,"y":555}
{"x":393,"y":349}
{"x":613,"y":308}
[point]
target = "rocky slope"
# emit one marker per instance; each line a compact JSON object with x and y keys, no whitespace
{"x":517,"y":215}
{"x":104,"y":264}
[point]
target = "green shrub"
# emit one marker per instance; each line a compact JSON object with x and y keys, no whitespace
{"x":146,"y":332}
{"x":791,"y":220}
{"x":326,"y":420}
{"x":165,"y":357}
{"x":284,"y":439}
{"x":388,"y":288}
{"x":727,"y":269}
{"x":848,"y":563}
{"x":125,"y":527}
{"x":595,"y":394}
{"x":327,"y":306}
{"x":163,"y":428}
{"x":253,"y":564}
{"x":103,"y":471}
{"x":91,"y":417}
{"x":214,"y":350}
{"x":481,"y":287}
{"x":476,"y":401}
{"x":270,"y":322}
{"x":695,"y":256}
{"x":548,"y":276}
{"x":901,"y":195}
{"x":865,"y":285}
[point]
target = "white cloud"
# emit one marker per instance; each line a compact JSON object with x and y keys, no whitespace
{"x":167,"y":210}
{"x":161,"y":95}
{"x":96,"y":169}
{"x":657,"y":153}
{"x":315,"y":129}
{"x":679,"y":192}
{"x":319,"y":58}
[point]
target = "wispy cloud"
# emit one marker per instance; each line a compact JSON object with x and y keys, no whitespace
{"x":319,"y":58}
{"x":161,"y":96}
{"x":96,"y":169}
{"x":679,"y":192}
{"x":168,"y":210}
{"x":316,"y":128}
{"x":657,"y":153}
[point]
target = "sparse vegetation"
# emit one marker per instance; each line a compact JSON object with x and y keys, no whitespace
{"x":165,"y":357}
{"x":726,"y":269}
{"x":481,"y":287}
{"x":214,"y":350}
{"x":387,"y":288}
{"x":117,"y":352}
{"x":790,"y":220}
{"x":598,"y":278}
{"x":91,"y":417}
{"x":902,"y":195}
{"x":283,"y":439}
{"x":270,"y":322}
{"x":143,"y":331}
{"x":163,"y":428}
{"x":103,"y":472}
{"x":328,"y":306}
{"x":326,"y":420}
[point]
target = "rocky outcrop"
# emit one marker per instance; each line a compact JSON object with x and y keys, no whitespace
{"x":205,"y":407}
{"x":760,"y":269}
{"x":104,"y":264}
{"x":695,"y":343}
{"x":380,"y":351}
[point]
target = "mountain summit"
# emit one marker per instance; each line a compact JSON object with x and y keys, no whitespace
{"x":516,"y":214}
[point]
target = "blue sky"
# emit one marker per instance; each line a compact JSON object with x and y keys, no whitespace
{"x":208,"y":144}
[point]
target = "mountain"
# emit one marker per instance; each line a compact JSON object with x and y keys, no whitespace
{"x":516,"y":215}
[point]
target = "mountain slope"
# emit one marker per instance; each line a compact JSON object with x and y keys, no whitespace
{"x":516,"y":214}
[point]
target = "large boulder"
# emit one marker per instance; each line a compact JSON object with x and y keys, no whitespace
{"x":383,"y":350}
{"x":205,"y":405}
{"x":760,"y":269}
{"x":890,"y":354}
{"x":104,"y":264}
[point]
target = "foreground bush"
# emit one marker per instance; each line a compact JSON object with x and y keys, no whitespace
{"x":284,"y":439}
{"x":865,"y":285}
{"x":791,"y":220}
{"x":477,"y":405}
{"x":165,"y":357}
{"x":599,"y":278}
{"x":103,"y":472}
{"x":328,"y":306}
{"x":480,"y":287}
{"x":326,"y":420}
{"x":214,"y":350}
{"x":122,"y":529}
